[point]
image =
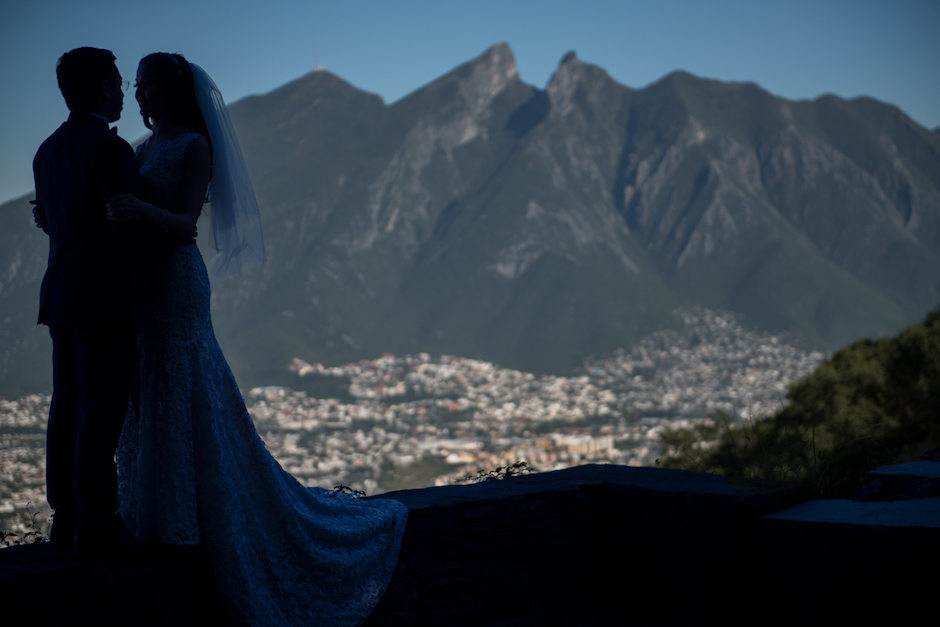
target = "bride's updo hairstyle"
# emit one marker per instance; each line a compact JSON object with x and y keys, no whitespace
{"x":176,"y":77}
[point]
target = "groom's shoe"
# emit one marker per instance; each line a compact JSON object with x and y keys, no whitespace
{"x":62,"y":535}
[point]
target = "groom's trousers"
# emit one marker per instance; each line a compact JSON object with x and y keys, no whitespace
{"x":93,"y":368}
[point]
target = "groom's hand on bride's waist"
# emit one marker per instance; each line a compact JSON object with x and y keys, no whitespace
{"x":39,"y":216}
{"x":127,"y":207}
{"x":191,"y":240}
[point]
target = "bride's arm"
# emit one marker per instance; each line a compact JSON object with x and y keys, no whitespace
{"x":196,"y":170}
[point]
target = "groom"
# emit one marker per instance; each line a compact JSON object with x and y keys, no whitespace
{"x":92,"y":299}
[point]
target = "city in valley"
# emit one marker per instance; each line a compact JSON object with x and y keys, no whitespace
{"x":417,"y":420}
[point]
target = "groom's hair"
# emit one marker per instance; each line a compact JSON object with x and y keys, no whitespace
{"x":80,"y":73}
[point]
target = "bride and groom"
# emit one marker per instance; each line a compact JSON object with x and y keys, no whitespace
{"x":148,"y":434}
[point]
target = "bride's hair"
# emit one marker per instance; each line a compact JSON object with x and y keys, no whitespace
{"x":176,"y":77}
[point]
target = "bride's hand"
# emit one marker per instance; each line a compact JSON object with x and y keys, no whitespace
{"x":128,"y":208}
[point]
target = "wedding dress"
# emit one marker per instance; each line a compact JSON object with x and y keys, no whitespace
{"x":192,"y":468}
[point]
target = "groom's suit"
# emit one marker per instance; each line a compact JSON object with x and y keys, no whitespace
{"x":93,"y":297}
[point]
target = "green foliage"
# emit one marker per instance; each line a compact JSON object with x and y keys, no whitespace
{"x":31,"y":535}
{"x":501,"y":472}
{"x":875,"y":402}
{"x":345,"y":489}
{"x":11,"y":538}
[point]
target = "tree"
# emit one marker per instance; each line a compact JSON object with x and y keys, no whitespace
{"x":875,"y":402}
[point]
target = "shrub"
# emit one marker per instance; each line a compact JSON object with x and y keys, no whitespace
{"x":875,"y":402}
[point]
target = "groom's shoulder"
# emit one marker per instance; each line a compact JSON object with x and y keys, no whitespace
{"x":79,"y":129}
{"x":57,"y":136}
{"x":85,"y":143}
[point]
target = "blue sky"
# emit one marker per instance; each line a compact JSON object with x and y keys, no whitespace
{"x":889,"y":49}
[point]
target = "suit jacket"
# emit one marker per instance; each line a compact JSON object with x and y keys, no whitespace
{"x":95,"y":273}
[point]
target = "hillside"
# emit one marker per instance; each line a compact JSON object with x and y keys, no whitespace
{"x":872,"y":404}
{"x":482,"y":217}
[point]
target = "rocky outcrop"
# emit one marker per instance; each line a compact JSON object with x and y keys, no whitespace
{"x":902,"y":482}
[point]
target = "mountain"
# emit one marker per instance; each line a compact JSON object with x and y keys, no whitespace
{"x":483,"y":217}
{"x":25,"y":348}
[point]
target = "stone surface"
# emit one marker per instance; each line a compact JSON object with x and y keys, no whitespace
{"x":922,"y":513}
{"x":587,"y":546}
{"x":914,"y":480}
{"x":565,"y":548}
{"x":933,"y":455}
{"x":173,"y":587}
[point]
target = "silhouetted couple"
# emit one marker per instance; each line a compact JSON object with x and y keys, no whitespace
{"x":149,"y":439}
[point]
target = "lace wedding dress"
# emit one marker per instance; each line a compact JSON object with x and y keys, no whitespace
{"x":193,"y":469}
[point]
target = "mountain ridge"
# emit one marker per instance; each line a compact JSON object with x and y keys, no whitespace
{"x":481,"y":216}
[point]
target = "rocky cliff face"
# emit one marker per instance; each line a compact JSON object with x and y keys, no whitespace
{"x":481,"y":216}
{"x":25,"y":348}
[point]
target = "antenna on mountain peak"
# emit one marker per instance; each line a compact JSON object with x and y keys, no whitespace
{"x":316,"y":63}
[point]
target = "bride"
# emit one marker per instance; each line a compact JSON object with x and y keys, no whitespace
{"x":192,"y":468}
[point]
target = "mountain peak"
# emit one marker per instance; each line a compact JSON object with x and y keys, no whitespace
{"x":493,"y":70}
{"x":574,"y":74}
{"x":564,"y":81}
{"x":479,"y":80}
{"x":498,"y":53}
